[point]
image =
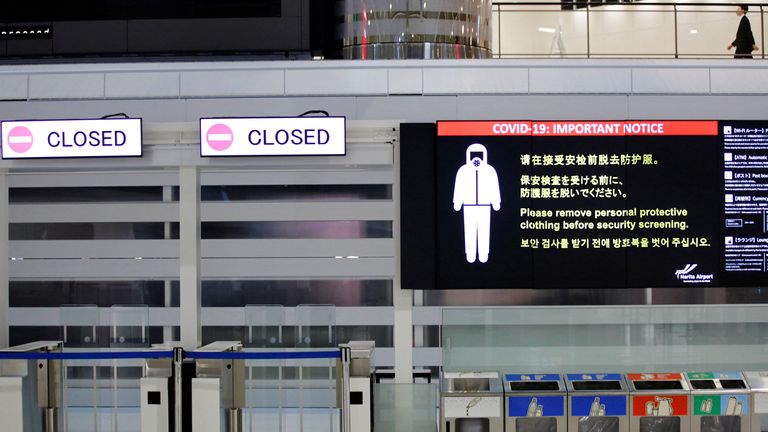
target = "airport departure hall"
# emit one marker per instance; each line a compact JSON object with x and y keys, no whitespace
{"x":383,"y":216}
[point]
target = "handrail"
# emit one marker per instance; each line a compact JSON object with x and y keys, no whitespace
{"x":111,"y":355}
{"x":281,"y":355}
{"x":203,"y":355}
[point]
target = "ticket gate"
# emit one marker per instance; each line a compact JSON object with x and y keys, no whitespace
{"x":597,"y":402}
{"x":361,"y":366}
{"x":534,"y":403}
{"x":29,"y":400}
{"x":659,"y":402}
{"x":720,"y":402}
{"x":758,"y":385}
{"x":471,"y":402}
{"x":218,"y":390}
{"x":160,"y":404}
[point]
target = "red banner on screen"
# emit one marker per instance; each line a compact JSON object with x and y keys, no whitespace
{"x":576,"y":128}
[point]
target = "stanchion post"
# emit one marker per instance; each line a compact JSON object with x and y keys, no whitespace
{"x":178,"y":358}
{"x":346,"y":354}
{"x":235,"y":419}
{"x":49,"y":388}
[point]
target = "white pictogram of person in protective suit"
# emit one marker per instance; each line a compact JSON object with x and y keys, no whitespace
{"x":477,"y":191}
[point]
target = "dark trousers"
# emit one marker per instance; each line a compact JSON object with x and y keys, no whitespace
{"x":743,"y":55}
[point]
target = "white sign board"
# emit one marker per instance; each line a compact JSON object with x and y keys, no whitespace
{"x":273,"y":136}
{"x":43,"y":139}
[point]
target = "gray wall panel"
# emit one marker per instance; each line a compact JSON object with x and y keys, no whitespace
{"x":149,"y":110}
{"x":476,"y":80}
{"x":233,"y":83}
{"x":406,"y":81}
{"x":261,"y":107}
{"x":13,"y":86}
{"x":670,"y":81}
{"x":340,"y":81}
{"x":698,"y":107}
{"x":141,"y":85}
{"x":66,"y":86}
{"x":543,"y":107}
{"x":740,"y":81}
{"x":407,"y":108}
{"x":580,"y":80}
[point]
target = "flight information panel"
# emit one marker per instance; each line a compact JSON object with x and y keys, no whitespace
{"x":599,"y":204}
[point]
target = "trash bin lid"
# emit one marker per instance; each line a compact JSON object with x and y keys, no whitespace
{"x":471,"y":382}
{"x":726,"y":382}
{"x":592,"y":382}
{"x":657,"y":382}
{"x":533,"y":382}
{"x":757,"y":380}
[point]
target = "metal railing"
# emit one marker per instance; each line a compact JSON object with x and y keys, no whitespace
{"x":589,"y":29}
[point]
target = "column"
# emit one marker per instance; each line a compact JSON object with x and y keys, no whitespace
{"x":4,"y":270}
{"x":189,"y":257}
{"x":402,"y":299}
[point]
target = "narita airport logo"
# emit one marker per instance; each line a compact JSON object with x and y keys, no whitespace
{"x":687,"y":276}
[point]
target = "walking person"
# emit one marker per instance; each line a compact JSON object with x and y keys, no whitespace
{"x":745,"y":41}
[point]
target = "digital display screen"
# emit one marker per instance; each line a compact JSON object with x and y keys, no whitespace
{"x":47,"y":139}
{"x":273,"y":136}
{"x":602,"y":204}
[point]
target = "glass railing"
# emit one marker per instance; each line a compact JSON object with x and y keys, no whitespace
{"x":292,"y":389}
{"x":400,"y":407}
{"x":605,"y":338}
{"x":583,"y":29}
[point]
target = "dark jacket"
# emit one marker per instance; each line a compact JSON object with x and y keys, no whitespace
{"x":744,"y":38}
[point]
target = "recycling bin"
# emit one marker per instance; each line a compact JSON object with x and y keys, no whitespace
{"x":719,"y":402}
{"x":659,"y":402}
{"x":471,"y":402}
{"x":758,"y":385}
{"x":597,"y":402}
{"x":534,"y":403}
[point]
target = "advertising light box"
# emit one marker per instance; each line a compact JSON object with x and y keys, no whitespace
{"x":603,"y":204}
{"x":273,"y":136}
{"x":44,"y":139}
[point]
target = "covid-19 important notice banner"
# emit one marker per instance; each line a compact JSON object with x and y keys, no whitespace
{"x":603,"y":204}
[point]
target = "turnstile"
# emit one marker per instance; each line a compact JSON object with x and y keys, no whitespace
{"x":218,"y":390}
{"x":758,"y":385}
{"x":361,"y":366}
{"x":597,"y":402}
{"x":534,"y":403}
{"x":719,"y":402}
{"x":471,"y":402}
{"x":29,"y":400}
{"x":659,"y":402}
{"x":159,"y":396}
